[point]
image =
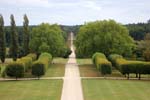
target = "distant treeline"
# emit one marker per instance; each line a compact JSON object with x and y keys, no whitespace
{"x":66,"y":29}
{"x":138,"y":31}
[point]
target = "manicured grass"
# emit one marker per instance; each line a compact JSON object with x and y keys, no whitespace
{"x":60,"y":60}
{"x":84,"y":61}
{"x":31,"y":90}
{"x":55,"y":70}
{"x":89,"y":70}
{"x":96,"y":89}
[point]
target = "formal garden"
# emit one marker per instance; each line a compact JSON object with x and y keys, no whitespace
{"x":112,"y":64}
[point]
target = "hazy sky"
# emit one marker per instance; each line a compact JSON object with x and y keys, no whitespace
{"x":71,"y":12}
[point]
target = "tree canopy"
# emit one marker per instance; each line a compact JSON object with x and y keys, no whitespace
{"x":47,"y":38}
{"x":103,"y":36}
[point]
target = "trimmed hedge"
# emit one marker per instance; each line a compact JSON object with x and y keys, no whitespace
{"x":113,"y":58}
{"x":27,"y":61}
{"x":33,"y":56}
{"x":102,"y":64}
{"x":128,"y":67}
{"x":97,"y":54}
{"x":22,"y":65}
{"x":40,"y":66}
{"x":15,"y":69}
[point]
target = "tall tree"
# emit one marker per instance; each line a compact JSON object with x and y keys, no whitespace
{"x":2,"y":40}
{"x":26,"y":35}
{"x":14,"y":39}
{"x":103,"y":36}
{"x":47,"y":38}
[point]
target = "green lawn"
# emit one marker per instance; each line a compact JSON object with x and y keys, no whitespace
{"x":96,"y":89}
{"x":60,"y":60}
{"x":31,"y":90}
{"x":55,"y":70}
{"x":84,"y":61}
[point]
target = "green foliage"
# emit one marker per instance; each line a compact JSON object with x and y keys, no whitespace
{"x":67,"y":52}
{"x":139,"y":30}
{"x":113,"y":58}
{"x":15,"y":69}
{"x":2,"y":40}
{"x":33,"y":56}
{"x":38,"y":69}
{"x":27,"y":61}
{"x":26,"y":35}
{"x":44,"y":48}
{"x":146,"y":53}
{"x":102,"y":64}
{"x":19,"y":67}
{"x":128,"y":67}
{"x":49,"y":38}
{"x":103,"y":36}
{"x":97,"y":54}
{"x":40,"y":66}
{"x":14,"y":39}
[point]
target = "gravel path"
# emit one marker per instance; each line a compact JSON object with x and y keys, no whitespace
{"x":72,"y":89}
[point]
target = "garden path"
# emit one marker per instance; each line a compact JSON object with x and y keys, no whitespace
{"x":72,"y":88}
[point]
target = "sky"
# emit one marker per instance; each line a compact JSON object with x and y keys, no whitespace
{"x":75,"y":12}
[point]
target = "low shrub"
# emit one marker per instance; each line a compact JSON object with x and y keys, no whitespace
{"x":40,"y":66}
{"x":15,"y":69}
{"x":67,"y":53}
{"x":38,"y":69}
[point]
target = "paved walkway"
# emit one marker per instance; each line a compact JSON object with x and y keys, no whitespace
{"x":72,"y":89}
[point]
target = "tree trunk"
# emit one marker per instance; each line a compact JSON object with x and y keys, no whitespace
{"x":136,"y":75}
{"x":139,"y":76}
{"x":128,"y":76}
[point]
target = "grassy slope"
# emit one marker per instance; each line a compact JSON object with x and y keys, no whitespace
{"x":31,"y":90}
{"x":115,"y":89}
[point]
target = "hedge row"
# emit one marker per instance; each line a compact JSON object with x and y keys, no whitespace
{"x":40,"y":66}
{"x":18,"y":68}
{"x":113,"y":58}
{"x":128,"y":67}
{"x":102,"y":64}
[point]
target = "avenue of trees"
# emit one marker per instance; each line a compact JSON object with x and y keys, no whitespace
{"x":103,"y":36}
